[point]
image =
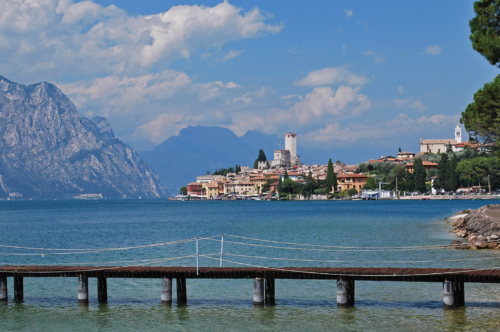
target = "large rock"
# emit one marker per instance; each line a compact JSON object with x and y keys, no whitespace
{"x":48,"y":151}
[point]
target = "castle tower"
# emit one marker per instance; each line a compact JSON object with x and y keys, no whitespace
{"x":291,"y":144}
{"x":458,"y":134}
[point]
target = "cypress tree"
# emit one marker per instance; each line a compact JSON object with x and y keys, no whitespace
{"x":442,"y":174}
{"x":329,"y":176}
{"x":419,"y":175}
{"x":452,"y":181}
{"x":279,"y":186}
{"x":410,"y":183}
{"x":256,"y":164}
{"x":285,"y":176}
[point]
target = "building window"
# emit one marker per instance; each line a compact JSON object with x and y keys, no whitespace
{"x":439,"y":150}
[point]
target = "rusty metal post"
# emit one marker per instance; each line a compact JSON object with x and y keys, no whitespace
{"x":3,"y":289}
{"x":83,"y":289}
{"x":258,"y":291}
{"x":18,"y":289}
{"x":345,"y":292}
{"x":181,"y":290}
{"x":270,"y":291}
{"x":453,"y":294}
{"x":102,"y":290}
{"x":166,"y":290}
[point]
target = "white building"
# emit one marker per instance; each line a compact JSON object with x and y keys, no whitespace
{"x":281,"y":158}
{"x":291,"y":145}
{"x":440,"y":145}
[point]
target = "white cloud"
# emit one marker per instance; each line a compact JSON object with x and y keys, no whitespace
{"x":330,"y":76}
{"x":292,"y":97}
{"x":48,"y":38}
{"x":325,"y":101}
{"x":377,"y":57}
{"x":401,"y":125}
{"x":294,"y":50}
{"x":161,"y":128}
{"x":232,"y":54}
{"x":400,"y":89}
{"x":348,"y":12}
{"x":433,"y":49}
{"x":410,"y":103}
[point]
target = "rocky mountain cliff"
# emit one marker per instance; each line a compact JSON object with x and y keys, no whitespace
{"x":48,"y":151}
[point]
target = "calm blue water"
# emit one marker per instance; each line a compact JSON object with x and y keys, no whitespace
{"x":51,"y":303}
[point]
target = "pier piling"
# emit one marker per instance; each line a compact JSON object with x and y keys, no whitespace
{"x":181,"y":290}
{"x":18,"y":289}
{"x":3,"y":289}
{"x":102,"y":290}
{"x":83,"y":289}
{"x":258,"y":291}
{"x":270,"y":293}
{"x":345,"y":292}
{"x":166,"y":290}
{"x":453,"y":294}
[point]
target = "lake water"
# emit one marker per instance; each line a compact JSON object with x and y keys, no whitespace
{"x":51,"y":303}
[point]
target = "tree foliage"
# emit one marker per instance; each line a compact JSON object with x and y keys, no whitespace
{"x":485,"y":30}
{"x":419,"y":175}
{"x":370,"y":184}
{"x":184,"y":191}
{"x":481,"y":117}
{"x":331,"y":178}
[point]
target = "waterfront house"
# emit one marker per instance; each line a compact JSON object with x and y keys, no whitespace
{"x":349,"y":181}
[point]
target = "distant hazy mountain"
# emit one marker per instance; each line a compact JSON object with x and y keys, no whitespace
{"x":199,"y":149}
{"x":48,"y":151}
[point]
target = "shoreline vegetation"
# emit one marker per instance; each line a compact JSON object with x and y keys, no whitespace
{"x":481,"y":227}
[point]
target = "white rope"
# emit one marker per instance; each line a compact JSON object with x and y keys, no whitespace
{"x":359,"y":275}
{"x":340,"y":247}
{"x":112,"y":262}
{"x":337,"y":261}
{"x":100,"y":268}
{"x":101,"y":249}
{"x":86,"y":251}
{"x":325,"y":250}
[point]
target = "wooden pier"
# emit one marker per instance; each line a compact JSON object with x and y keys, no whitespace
{"x":264,"y":279}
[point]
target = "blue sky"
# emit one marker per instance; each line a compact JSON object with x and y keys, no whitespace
{"x":355,"y":78}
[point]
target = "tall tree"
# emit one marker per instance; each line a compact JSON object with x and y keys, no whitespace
{"x":285,"y":176}
{"x":419,"y":175}
{"x":410,"y":181}
{"x":452,"y":181}
{"x":442,"y":174}
{"x":464,"y":167}
{"x":279,"y":186}
{"x":485,"y":30}
{"x":330,"y":174}
{"x":260,"y":157}
{"x":399,"y":149}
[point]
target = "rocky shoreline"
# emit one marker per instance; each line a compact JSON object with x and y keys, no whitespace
{"x":481,"y":230}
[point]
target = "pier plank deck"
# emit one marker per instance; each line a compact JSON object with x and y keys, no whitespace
{"x":318,"y":273}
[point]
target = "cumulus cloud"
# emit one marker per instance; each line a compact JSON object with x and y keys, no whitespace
{"x":400,"y":125}
{"x":332,"y":75}
{"x":410,"y":103}
{"x":400,"y":89}
{"x":52,"y":37}
{"x":348,"y":12}
{"x":433,"y":49}
{"x":161,"y":128}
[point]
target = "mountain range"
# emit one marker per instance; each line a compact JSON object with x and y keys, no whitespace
{"x":48,"y":151}
{"x":197,"y":150}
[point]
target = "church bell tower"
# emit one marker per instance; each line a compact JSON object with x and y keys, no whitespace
{"x":458,"y":134}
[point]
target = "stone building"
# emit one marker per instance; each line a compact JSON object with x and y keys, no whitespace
{"x":440,"y":145}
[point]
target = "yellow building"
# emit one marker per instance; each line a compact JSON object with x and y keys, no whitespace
{"x":211,"y":189}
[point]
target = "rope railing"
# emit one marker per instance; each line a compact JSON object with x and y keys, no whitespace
{"x":270,"y":244}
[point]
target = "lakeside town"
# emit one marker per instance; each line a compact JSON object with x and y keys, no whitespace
{"x":442,"y":169}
